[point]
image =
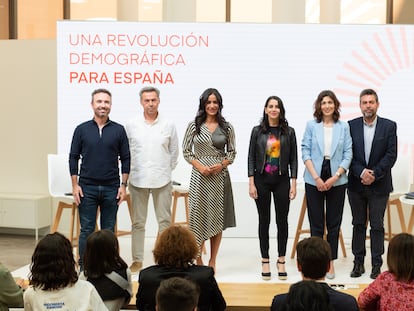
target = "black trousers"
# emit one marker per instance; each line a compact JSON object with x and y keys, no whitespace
{"x":280,"y":189}
{"x":363,"y":205}
{"x":326,"y":206}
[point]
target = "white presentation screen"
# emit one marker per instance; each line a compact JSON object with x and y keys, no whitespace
{"x":245,"y":62}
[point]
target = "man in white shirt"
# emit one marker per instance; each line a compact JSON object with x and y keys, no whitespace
{"x":154,"y":152}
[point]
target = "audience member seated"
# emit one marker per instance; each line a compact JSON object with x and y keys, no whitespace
{"x":53,"y":279}
{"x":177,"y":294}
{"x":106,"y":270}
{"x":174,"y":254}
{"x":307,"y":295}
{"x":393,"y":289}
{"x":313,"y":262}
{"x":11,"y":291}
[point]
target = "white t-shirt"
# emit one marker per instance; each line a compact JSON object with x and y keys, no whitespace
{"x":82,"y":296}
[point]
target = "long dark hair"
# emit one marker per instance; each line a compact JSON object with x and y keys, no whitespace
{"x":283,"y":123}
{"x":53,"y":265}
{"x":400,"y":256}
{"x":102,"y":254}
{"x":201,"y":113}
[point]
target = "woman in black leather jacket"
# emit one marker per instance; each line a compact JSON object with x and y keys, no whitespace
{"x":273,"y":169}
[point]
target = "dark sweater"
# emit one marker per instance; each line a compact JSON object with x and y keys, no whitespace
{"x":100,"y":153}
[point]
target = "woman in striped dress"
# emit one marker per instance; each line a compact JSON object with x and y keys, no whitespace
{"x":209,"y":146}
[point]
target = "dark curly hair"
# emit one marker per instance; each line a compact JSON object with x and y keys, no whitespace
{"x":201,"y":113}
{"x":53,"y":265}
{"x":175,"y":247}
{"x":102,"y":254}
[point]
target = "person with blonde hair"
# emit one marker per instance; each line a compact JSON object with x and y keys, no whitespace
{"x":174,"y":254}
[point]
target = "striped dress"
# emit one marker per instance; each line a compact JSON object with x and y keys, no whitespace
{"x":211,"y":197}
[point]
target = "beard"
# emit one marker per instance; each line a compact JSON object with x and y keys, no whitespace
{"x":369,"y":114}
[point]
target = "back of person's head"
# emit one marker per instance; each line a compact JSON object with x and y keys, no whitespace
{"x":400,"y":257}
{"x":307,"y":296}
{"x":53,"y":264}
{"x":102,"y":254}
{"x":313,"y":257}
{"x":175,"y":247}
{"x":177,"y":294}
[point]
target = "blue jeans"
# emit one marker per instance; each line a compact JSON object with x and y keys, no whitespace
{"x":94,"y":196}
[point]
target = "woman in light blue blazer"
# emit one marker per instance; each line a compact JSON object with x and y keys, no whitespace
{"x":327,"y":154}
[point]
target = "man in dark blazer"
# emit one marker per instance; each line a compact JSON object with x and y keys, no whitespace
{"x":374,"y":145}
{"x":313,"y":262}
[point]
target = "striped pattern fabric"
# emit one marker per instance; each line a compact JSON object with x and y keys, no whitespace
{"x":206,"y":195}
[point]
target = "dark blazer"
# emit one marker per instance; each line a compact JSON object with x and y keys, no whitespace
{"x":151,"y":277}
{"x":382,"y":157}
{"x":338,"y":300}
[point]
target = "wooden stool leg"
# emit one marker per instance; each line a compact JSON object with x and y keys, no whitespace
{"x":72,"y":223}
{"x":187,"y":207}
{"x":174,"y":206}
{"x":341,"y":241}
{"x":410,"y":226}
{"x":389,"y":233}
{"x":78,"y":233}
{"x":299,"y":227}
{"x":400,"y":216}
{"x":299,"y":231}
{"x":128,"y":200}
{"x":123,"y":232}
{"x":57,"y":217}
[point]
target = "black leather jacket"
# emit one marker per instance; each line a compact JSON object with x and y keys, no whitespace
{"x":257,"y":153}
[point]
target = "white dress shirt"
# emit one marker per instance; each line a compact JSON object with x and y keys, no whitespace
{"x":154,"y":151}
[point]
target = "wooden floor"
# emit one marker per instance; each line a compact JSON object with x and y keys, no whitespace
{"x":255,"y":296}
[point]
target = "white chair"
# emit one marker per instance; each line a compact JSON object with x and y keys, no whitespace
{"x":401,"y":179}
{"x":60,"y":188}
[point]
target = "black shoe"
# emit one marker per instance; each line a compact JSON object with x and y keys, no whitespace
{"x":281,"y":275}
{"x":376,"y":270}
{"x":358,"y":270}
{"x":266,"y":276}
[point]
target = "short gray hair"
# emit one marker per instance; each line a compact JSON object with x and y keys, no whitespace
{"x":148,"y":89}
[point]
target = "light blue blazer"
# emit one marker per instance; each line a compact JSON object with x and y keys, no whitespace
{"x":313,"y":149}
